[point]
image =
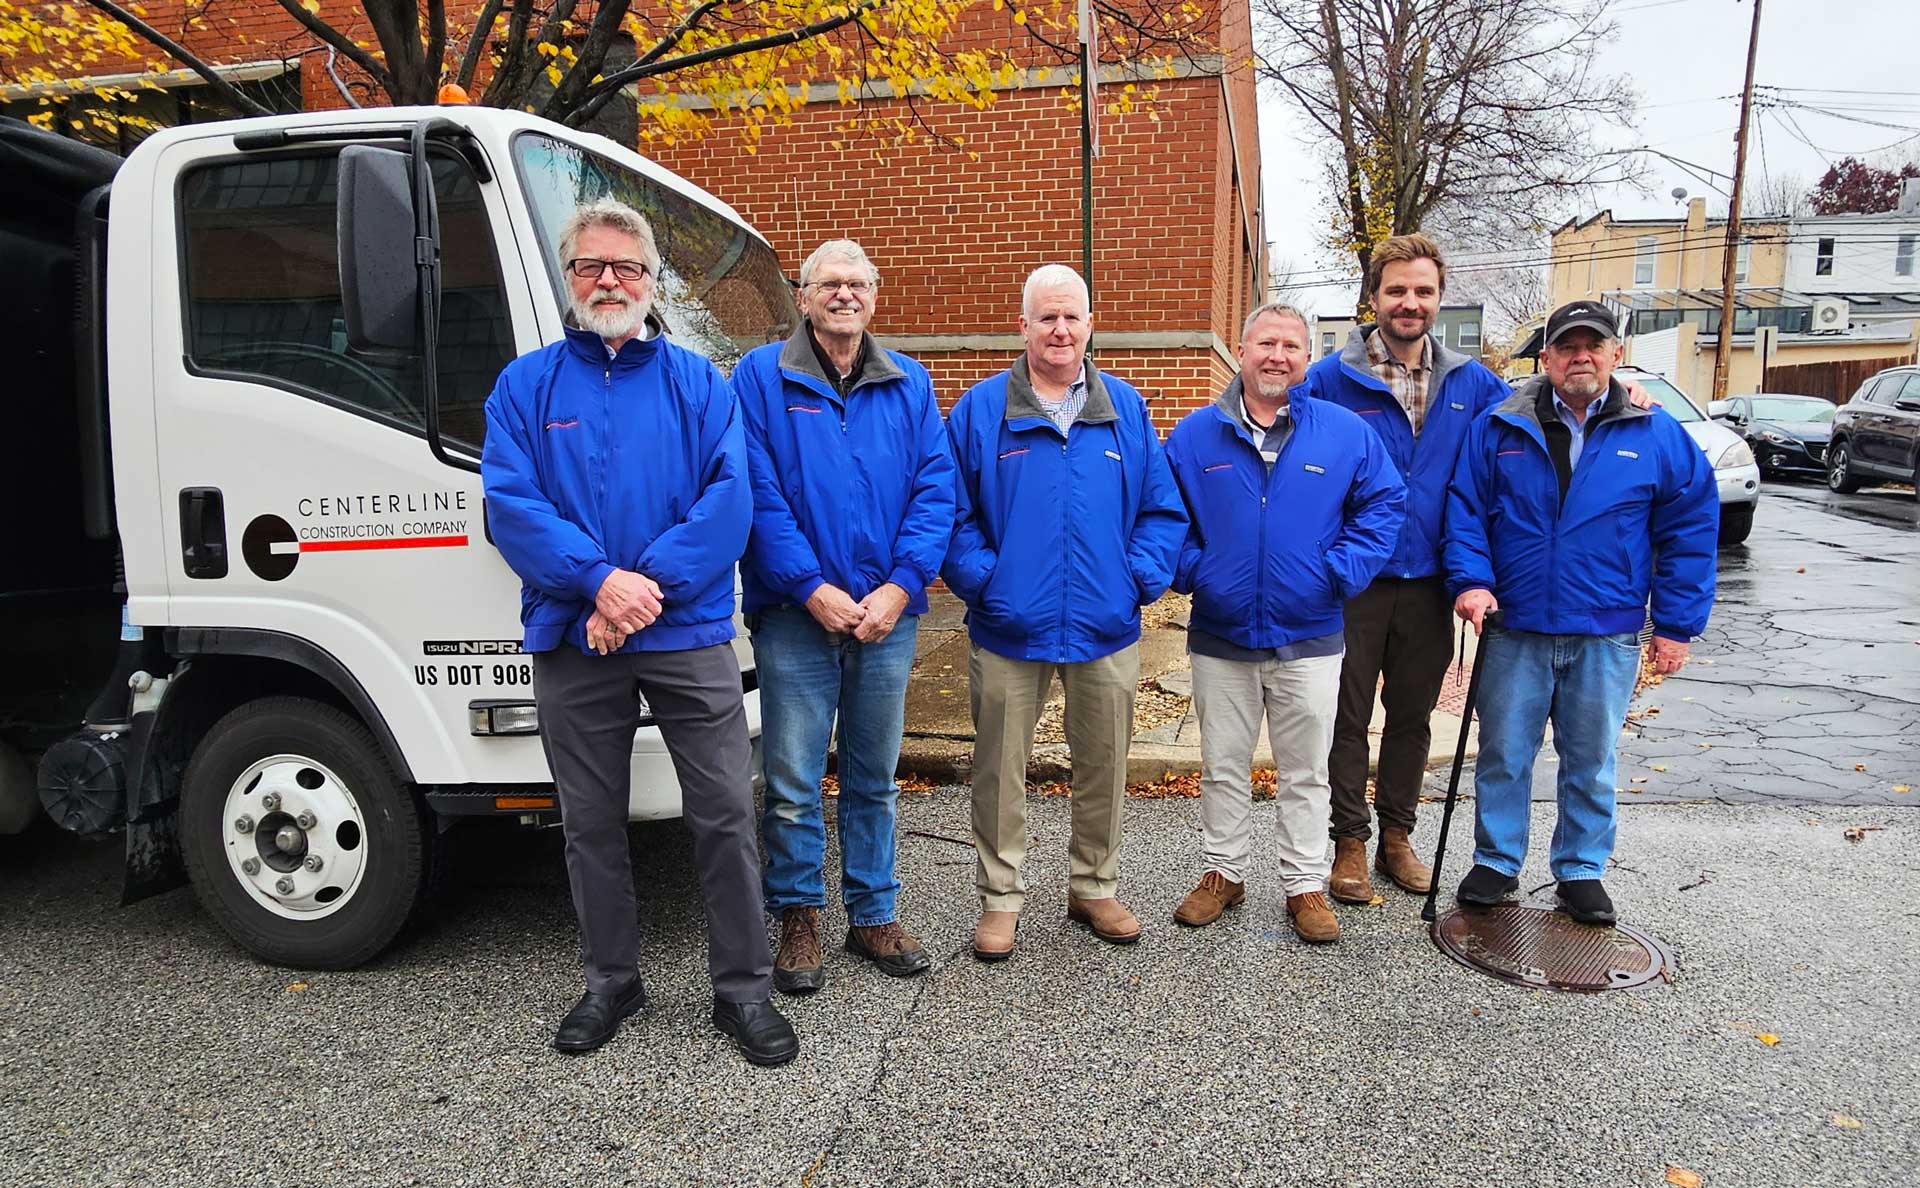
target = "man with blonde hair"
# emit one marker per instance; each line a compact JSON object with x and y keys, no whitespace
{"x":616,"y":482}
{"x":1069,"y":522}
{"x":852,"y":509}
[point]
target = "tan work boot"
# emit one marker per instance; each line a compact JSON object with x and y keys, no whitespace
{"x":1215,"y":894}
{"x":892,"y":949}
{"x":797,"y":968}
{"x":1109,"y":918}
{"x":993,"y":936}
{"x":1348,"y":882}
{"x":1398,"y":862}
{"x":1313,"y":921}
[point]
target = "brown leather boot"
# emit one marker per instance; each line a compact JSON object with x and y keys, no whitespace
{"x":1398,"y":862}
{"x":1313,"y":921}
{"x":1215,"y":894}
{"x":893,"y":950}
{"x":797,"y":968}
{"x":993,"y":936}
{"x":1108,"y":918}
{"x":1349,"y":883}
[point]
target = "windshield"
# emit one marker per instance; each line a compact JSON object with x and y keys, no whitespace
{"x":1808,"y":409}
{"x":1670,"y":397}
{"x":720,"y":290}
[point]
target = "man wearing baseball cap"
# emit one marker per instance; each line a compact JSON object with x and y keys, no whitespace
{"x":1570,"y":509}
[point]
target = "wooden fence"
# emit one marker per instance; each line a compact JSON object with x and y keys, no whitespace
{"x":1835,"y":381}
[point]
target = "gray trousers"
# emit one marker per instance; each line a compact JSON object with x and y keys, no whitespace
{"x":588,"y":715}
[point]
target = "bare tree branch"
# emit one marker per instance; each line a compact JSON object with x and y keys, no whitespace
{"x":341,"y":42}
{"x":477,"y":43}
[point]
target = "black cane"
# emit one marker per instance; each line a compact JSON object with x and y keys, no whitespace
{"x":1459,"y":760}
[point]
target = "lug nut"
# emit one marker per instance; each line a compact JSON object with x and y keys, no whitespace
{"x":243,"y":825}
{"x":251,"y":866}
{"x":306,"y":820}
{"x":284,"y":885}
{"x":270,"y":801}
{"x":313,"y":862}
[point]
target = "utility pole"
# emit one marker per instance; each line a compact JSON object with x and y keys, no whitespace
{"x":1723,"y":342}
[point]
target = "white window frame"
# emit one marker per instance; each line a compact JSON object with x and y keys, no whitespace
{"x":1463,"y":341}
{"x":1645,"y":260}
{"x":1823,"y":252}
{"x":1742,"y":261}
{"x":1903,"y":252}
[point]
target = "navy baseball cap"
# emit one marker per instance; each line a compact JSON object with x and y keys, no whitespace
{"x":1574,"y":315}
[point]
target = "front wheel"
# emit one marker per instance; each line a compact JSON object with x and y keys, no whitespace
{"x":1735,"y":523}
{"x":298,"y":837}
{"x":1839,"y":475}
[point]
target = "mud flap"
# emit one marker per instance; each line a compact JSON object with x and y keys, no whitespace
{"x":154,"y":863}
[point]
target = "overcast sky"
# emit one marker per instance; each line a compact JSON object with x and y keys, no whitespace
{"x":1686,"y":58}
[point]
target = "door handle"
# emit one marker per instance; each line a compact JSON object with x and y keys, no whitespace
{"x":203,"y":532}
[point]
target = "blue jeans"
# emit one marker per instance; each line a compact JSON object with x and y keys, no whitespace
{"x":1582,"y":684}
{"x":806,"y":677}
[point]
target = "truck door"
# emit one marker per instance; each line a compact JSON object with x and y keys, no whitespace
{"x":298,"y":491}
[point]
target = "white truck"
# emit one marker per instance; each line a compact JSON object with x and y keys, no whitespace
{"x":249,"y":377}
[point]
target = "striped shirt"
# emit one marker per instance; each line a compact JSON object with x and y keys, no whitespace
{"x":1408,"y":384}
{"x":1064,"y":411}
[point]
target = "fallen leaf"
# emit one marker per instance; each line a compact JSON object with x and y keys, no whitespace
{"x":1859,"y":767}
{"x":1658,"y":766}
{"x":1376,"y":901}
{"x":1705,"y":746}
{"x":1854,"y":833}
{"x":1846,"y":1121}
{"x":1637,"y":779}
{"x":1802,"y":569}
{"x":1901,"y":788}
{"x":296,"y":988}
{"x":1681,"y":1177}
{"x":1768,"y":1038}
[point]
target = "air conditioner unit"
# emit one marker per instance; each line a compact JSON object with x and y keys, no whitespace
{"x":1830,"y":315}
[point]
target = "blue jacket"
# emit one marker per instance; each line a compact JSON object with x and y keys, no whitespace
{"x":1061,"y":537}
{"x":632,"y":462}
{"x":1459,"y":391}
{"x":1642,"y":514}
{"x":856,"y":492}
{"x":1271,"y":556}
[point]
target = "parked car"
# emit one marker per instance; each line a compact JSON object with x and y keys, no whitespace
{"x":1876,"y":433}
{"x":1788,"y":434}
{"x":1734,"y":469}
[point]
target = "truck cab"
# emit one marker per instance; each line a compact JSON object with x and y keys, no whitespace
{"x":320,"y":645}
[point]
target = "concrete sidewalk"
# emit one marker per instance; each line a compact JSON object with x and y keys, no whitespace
{"x":1166,"y":736}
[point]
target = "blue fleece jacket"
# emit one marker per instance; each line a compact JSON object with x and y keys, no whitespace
{"x":1061,"y":537}
{"x":1459,"y":392}
{"x":856,"y":491}
{"x":1271,"y":556}
{"x":1642,"y":515}
{"x":595,"y":463}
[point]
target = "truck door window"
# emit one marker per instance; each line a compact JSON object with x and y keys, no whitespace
{"x":262,"y":280}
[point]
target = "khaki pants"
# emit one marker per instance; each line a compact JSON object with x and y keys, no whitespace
{"x":1007,"y":697}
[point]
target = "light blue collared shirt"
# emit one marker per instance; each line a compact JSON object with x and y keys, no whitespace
{"x":1577,"y":427}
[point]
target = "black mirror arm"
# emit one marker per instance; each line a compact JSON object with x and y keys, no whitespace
{"x":426,"y":257}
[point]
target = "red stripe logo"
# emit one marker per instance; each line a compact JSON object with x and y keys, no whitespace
{"x":395,"y":542}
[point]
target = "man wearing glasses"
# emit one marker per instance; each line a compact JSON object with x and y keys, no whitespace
{"x":852,"y":508}
{"x":616,"y":480}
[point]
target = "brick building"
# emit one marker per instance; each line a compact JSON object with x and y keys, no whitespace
{"x":1178,"y":232}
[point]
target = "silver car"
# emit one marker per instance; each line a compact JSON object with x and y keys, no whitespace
{"x":1734,"y":469}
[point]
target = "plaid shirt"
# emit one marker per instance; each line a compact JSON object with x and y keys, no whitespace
{"x":1066,"y":410}
{"x":1408,"y":384}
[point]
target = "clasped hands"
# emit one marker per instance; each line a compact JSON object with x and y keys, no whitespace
{"x":869,"y":620}
{"x":627,"y":601}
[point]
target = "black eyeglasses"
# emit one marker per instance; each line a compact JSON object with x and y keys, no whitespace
{"x":590,"y":269}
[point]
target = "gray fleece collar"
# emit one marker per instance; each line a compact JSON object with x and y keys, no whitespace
{"x":1524,"y":403}
{"x":797,"y":355}
{"x":1445,"y":360}
{"x":1023,"y":402}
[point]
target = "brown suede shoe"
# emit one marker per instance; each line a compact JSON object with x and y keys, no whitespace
{"x":1398,"y":862}
{"x":993,"y":936}
{"x":1215,"y":894}
{"x":891,"y":948}
{"x":1349,"y":882}
{"x":1313,"y":921}
{"x":797,"y":968}
{"x":1109,"y":918}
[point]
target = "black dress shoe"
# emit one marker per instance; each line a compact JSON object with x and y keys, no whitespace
{"x":1486,"y":887}
{"x":596,"y":1018}
{"x":761,"y":1033}
{"x":1586,"y":901}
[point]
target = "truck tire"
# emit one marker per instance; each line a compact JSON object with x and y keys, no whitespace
{"x":298,"y":838}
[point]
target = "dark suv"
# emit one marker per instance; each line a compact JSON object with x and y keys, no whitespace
{"x":1876,"y":433}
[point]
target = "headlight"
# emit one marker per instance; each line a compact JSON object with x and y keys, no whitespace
{"x":1737,"y":454}
{"x":1776,"y":438}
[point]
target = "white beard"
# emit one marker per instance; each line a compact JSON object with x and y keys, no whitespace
{"x":623,"y":321}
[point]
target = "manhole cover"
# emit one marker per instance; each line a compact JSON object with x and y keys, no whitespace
{"x":1535,"y":946}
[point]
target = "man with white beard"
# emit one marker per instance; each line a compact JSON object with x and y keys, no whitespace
{"x":1293,"y":505}
{"x":615,"y":469}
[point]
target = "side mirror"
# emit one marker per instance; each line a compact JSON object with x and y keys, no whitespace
{"x":1907,"y":404}
{"x":379,"y":275}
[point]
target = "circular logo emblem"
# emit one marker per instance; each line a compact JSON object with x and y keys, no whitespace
{"x":270,"y":548}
